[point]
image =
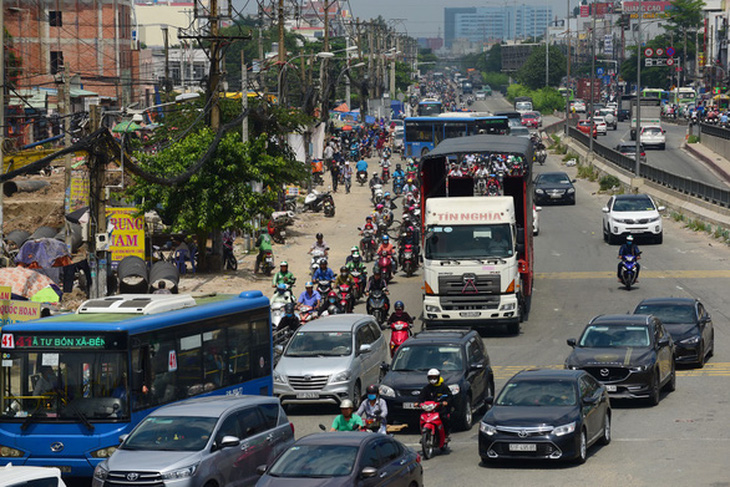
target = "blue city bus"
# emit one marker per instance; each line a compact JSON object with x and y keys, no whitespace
{"x":429,"y":107}
{"x":422,"y":134}
{"x":71,"y":384}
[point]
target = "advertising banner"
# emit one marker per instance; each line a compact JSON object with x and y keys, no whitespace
{"x":127,"y":237}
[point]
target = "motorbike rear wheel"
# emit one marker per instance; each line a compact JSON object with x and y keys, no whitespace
{"x":428,"y":446}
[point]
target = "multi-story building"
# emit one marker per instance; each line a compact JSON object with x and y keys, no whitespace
{"x":495,"y":24}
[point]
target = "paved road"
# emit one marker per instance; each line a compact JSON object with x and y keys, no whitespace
{"x":683,"y":441}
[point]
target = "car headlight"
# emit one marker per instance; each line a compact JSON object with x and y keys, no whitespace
{"x":181,"y":473}
{"x":386,"y":391}
{"x":6,"y":451}
{"x":639,"y":368}
{"x":571,"y":190}
{"x":690,"y":341}
{"x":104,"y":452}
{"x":655,"y":219}
{"x":455,"y":389}
{"x":487,"y":428}
{"x":101,"y":471}
{"x":539,"y":191}
{"x":279,"y":378}
{"x":343,"y":376}
{"x":564,"y":429}
{"x":618,"y":220}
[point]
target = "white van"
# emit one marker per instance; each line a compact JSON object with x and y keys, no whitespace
{"x":11,"y":476}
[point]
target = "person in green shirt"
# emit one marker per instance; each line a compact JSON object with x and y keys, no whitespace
{"x":347,"y":421}
{"x":264,"y":245}
{"x":284,"y":276}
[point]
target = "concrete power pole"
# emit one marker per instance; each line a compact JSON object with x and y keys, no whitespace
{"x":244,"y":99}
{"x":215,"y":115}
{"x":2,"y":114}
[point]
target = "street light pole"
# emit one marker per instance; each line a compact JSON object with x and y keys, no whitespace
{"x":567,"y":77}
{"x":547,"y":44}
{"x":593,"y":79}
{"x":637,"y":153}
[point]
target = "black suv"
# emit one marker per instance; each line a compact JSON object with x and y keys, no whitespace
{"x":461,"y":358}
{"x":632,"y":355}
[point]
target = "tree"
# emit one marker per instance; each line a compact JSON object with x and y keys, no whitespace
{"x":532,"y":73}
{"x":221,"y":194}
{"x":494,"y":59}
{"x":685,"y":18}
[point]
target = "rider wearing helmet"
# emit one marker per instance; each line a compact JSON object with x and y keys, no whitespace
{"x":410,"y":187}
{"x":375,"y":180}
{"x":629,"y":248}
{"x":344,"y":278}
{"x":284,"y":276}
{"x":398,"y":173}
{"x":323,"y":273}
{"x":289,"y":321}
{"x":319,"y":245}
{"x":436,"y":390}
{"x":354,"y":261}
{"x":387,"y":247}
{"x":374,"y":408}
{"x":399,"y":314}
{"x":347,"y":421}
{"x":377,"y":282}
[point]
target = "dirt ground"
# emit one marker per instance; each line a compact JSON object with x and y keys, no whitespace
{"x":28,"y":211}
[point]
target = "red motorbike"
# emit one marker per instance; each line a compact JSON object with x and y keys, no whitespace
{"x":433,"y":434}
{"x":360,"y":282}
{"x":306,"y":314}
{"x":410,"y":260}
{"x":345,"y":298}
{"x":386,"y":175}
{"x":385,"y":262}
{"x":400,"y":332}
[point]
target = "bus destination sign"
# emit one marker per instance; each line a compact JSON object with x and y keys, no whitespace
{"x":62,"y":342}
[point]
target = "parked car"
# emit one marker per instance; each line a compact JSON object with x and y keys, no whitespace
{"x":632,"y":214}
{"x":217,"y":440}
{"x":585,"y":126}
{"x":546,"y":414}
{"x":331,"y":359}
{"x":554,"y":187}
{"x":629,"y":150}
{"x":689,"y":323}
{"x":343,"y":459}
{"x":632,"y":355}
{"x":464,"y":364}
{"x":601,"y":127}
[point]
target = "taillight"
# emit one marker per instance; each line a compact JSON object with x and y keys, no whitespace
{"x":418,"y":458}
{"x":643,"y":153}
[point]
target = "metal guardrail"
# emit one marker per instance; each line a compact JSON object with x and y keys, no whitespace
{"x":715,"y":131}
{"x":712,"y":194}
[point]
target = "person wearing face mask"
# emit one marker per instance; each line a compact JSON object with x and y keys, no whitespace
{"x":374,"y":409}
{"x":437,"y":391}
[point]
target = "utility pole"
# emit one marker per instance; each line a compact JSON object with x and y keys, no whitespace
{"x":167,"y":63}
{"x":215,"y":114}
{"x":244,"y":99}
{"x":323,"y":67}
{"x":67,"y":129}
{"x":637,"y":163}
{"x":2,"y":114}
{"x":593,"y":79}
{"x":282,"y":49}
{"x":547,"y":47}
{"x":570,"y":85}
{"x":347,"y":75}
{"x":98,"y":244}
{"x":261,"y":50}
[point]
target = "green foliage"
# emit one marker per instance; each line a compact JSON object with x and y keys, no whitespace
{"x":493,"y":62}
{"x":532,"y":73}
{"x":655,"y":77}
{"x":685,"y":15}
{"x":608,"y":182}
{"x":586,"y":171}
{"x":495,"y":80}
{"x":693,"y":139}
{"x":546,"y":100}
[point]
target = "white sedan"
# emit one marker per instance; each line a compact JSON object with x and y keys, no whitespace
{"x":632,"y":214}
{"x":601,"y":126}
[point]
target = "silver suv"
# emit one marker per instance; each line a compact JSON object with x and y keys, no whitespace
{"x":218,"y":440}
{"x":331,"y":359}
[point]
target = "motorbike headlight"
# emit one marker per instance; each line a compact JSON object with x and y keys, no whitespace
{"x":690,"y":341}
{"x":539,"y":191}
{"x":181,"y":473}
{"x":571,"y":190}
{"x":639,"y":368}
{"x":343,"y":376}
{"x":101,"y":471}
{"x":487,"y":428}
{"x":455,"y":389}
{"x":279,"y":378}
{"x":104,"y":452}
{"x":386,"y":391}
{"x":6,"y":451}
{"x":564,"y":429}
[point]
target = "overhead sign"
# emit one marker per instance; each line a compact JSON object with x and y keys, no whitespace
{"x":599,"y":71}
{"x":661,"y":61}
{"x":670,"y":62}
{"x":648,"y":52}
{"x":650,"y":9}
{"x":608,"y":45}
{"x":659,"y":51}
{"x":669,"y":51}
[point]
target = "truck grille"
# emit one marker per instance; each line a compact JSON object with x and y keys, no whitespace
{"x":469,"y":284}
{"x":134,"y":479}
{"x":308,"y":382}
{"x":465,"y":303}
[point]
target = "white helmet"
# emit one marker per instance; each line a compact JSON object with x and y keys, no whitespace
{"x":434,"y":373}
{"x":346,"y":404}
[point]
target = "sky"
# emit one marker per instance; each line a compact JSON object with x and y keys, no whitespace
{"x":423,"y":18}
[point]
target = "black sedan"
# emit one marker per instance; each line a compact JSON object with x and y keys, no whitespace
{"x":554,"y":187}
{"x":344,"y":459}
{"x":546,"y":414}
{"x":632,"y":355}
{"x":689,"y":323}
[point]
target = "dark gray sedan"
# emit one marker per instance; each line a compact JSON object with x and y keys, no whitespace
{"x":345,"y":459}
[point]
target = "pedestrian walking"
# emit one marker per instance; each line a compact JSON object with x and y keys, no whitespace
{"x":335,"y":172}
{"x":347,"y":175}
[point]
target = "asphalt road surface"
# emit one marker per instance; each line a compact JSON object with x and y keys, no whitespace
{"x":685,"y":440}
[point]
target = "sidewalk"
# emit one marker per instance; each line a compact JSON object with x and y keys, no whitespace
{"x":715,"y":161}
{"x":340,"y":233}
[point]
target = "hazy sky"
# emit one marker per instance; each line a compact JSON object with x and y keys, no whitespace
{"x":423,"y":18}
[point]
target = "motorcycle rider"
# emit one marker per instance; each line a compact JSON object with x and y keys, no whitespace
{"x":284,"y":276}
{"x":347,"y":421}
{"x":323,"y":273}
{"x":376,"y":282}
{"x":436,"y":390}
{"x":399,"y":172}
{"x":387,"y":247}
{"x":375,"y":180}
{"x":410,"y":187}
{"x":289,"y":321}
{"x":408,"y":238}
{"x":263,"y":242}
{"x":309,"y":297}
{"x":362,"y":166}
{"x":629,"y":248}
{"x":344,"y":277}
{"x":354,"y":261}
{"x":374,"y":408}
{"x":388,"y":203}
{"x":399,"y":314}
{"x":319,"y":245}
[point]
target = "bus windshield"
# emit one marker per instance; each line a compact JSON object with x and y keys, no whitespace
{"x":444,"y":242}
{"x":429,"y":109}
{"x":57,"y":385}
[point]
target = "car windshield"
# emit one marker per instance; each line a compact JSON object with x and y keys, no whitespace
{"x":633,"y":204}
{"x":469,"y":242}
{"x":529,"y":115}
{"x":627,"y":148}
{"x":670,"y":314}
{"x":320,"y":343}
{"x":554,"y":179}
{"x":425,"y":357}
{"x":584,"y":123}
{"x":538,"y":393}
{"x":315,"y":461}
{"x":615,"y":336}
{"x":171,"y":433}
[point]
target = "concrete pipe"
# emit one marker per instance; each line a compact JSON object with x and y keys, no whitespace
{"x":44,"y":232}
{"x":12,"y":187}
{"x":17,"y":238}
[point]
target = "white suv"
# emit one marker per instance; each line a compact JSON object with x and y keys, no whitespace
{"x":653,"y":136}
{"x":631,"y":214}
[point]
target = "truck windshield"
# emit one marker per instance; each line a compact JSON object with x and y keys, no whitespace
{"x":444,"y":242}
{"x":63,"y":386}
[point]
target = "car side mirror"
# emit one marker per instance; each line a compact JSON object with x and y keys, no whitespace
{"x":229,"y":441}
{"x":661,"y":208}
{"x":572,"y":342}
{"x":590,"y":400}
{"x":489,"y":400}
{"x":364,"y":348}
{"x":538,"y":208}
{"x":604,"y":209}
{"x":122,"y":438}
{"x":279,"y":348}
{"x":384,"y":367}
{"x":261,"y":469}
{"x":368,"y":472}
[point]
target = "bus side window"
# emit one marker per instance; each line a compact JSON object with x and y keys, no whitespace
{"x":261,"y":348}
{"x":239,"y":363}
{"x":214,"y":361}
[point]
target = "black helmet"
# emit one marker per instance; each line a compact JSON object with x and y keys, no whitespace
{"x":289,"y":309}
{"x":376,"y":271}
{"x":372,"y":389}
{"x":344,"y":270}
{"x":399,"y":306}
{"x":323,"y":262}
{"x":320,"y":236}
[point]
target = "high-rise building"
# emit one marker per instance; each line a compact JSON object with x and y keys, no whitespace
{"x":495,"y":24}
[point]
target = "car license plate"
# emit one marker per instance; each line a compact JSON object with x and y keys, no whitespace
{"x":555,"y":196}
{"x":469,"y":314}
{"x":522,"y":447}
{"x":611,"y":388}
{"x":409,"y":405}
{"x":307,"y":395}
